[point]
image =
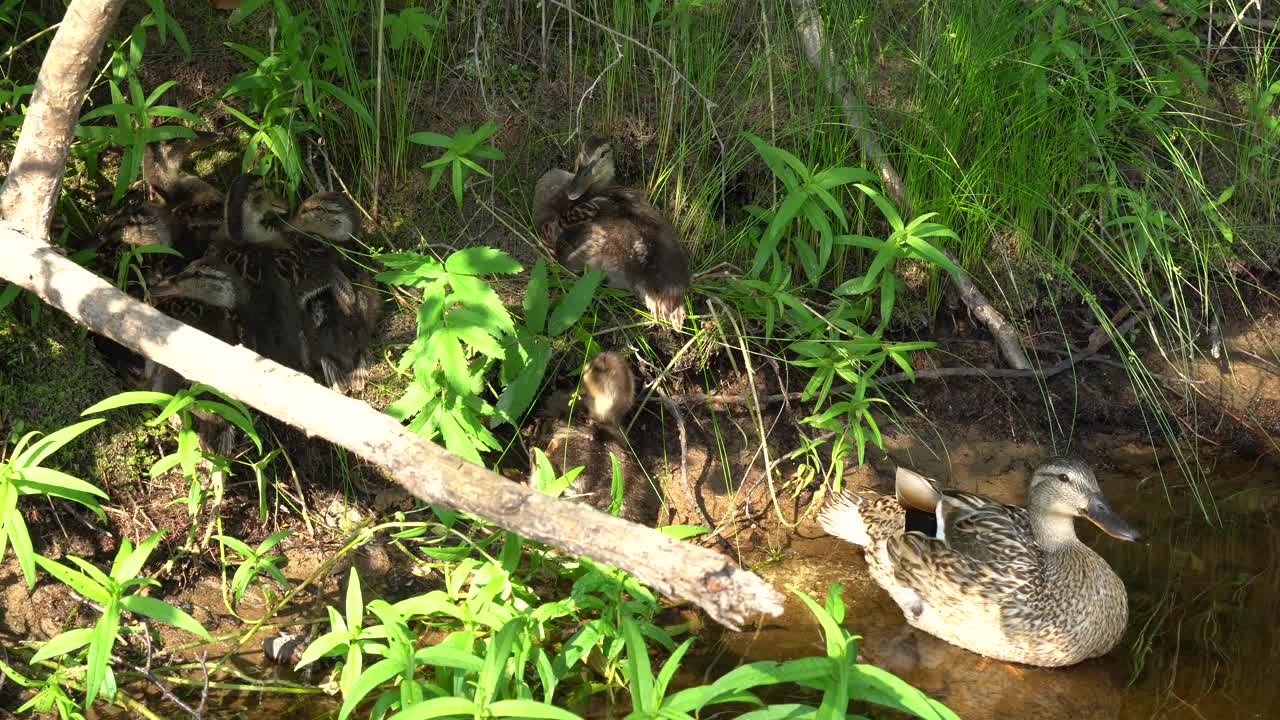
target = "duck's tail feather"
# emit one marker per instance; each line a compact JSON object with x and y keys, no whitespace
{"x":666,"y":305}
{"x":842,"y":517}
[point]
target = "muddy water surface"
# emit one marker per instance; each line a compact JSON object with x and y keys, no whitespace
{"x":1204,"y":600}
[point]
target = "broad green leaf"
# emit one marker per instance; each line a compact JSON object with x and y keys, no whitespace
{"x":321,"y":647}
{"x":431,"y":138}
{"x":103,"y":639}
{"x":354,"y":603}
{"x":437,"y":708}
{"x":528,"y":709}
{"x":886,"y":207}
{"x":481,"y":261}
{"x":536,"y":299}
{"x":571,"y":306}
{"x":683,"y":532}
{"x":837,"y":176}
{"x":932,"y":254}
{"x":639,"y":671}
{"x":49,"y":444}
{"x":76,"y":580}
{"x":238,"y":545}
{"x":15,"y":527}
{"x":164,"y":612}
{"x":372,"y":677}
{"x":46,"y":478}
{"x":518,"y":395}
{"x":62,"y":644}
{"x":354,"y":105}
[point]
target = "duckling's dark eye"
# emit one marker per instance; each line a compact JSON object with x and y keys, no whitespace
{"x":1064,"y":477}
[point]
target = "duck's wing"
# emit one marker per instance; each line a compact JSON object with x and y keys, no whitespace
{"x":987,"y":531}
{"x":943,"y":577}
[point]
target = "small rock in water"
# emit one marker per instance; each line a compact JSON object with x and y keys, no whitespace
{"x":285,"y":648}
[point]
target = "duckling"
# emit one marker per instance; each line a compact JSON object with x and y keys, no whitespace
{"x":588,"y":221}
{"x":196,"y":206}
{"x":251,"y":269}
{"x":609,"y":390}
{"x":144,"y":225}
{"x":338,"y":298}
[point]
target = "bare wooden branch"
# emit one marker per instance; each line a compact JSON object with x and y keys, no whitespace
{"x":31,"y":189}
{"x":809,"y":28}
{"x":728,"y":594}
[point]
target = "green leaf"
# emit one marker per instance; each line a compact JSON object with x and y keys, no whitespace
{"x":49,"y":444}
{"x":132,"y":564}
{"x":886,"y":207}
{"x":104,"y":638}
{"x":15,"y":528}
{"x":244,"y":10}
{"x":639,"y":671}
{"x":518,"y":395}
{"x":528,"y":709}
{"x":571,"y":306}
{"x":322,"y":646}
{"x":369,"y":680}
{"x":925,"y":251}
{"x":355,"y":106}
{"x":46,"y":478}
{"x":431,"y":138}
{"x":354,"y":603}
{"x":481,"y":261}
{"x":437,"y":708}
{"x":76,"y":580}
{"x":536,"y":299}
{"x":164,"y":612}
{"x":237,"y":545}
{"x":62,"y":644}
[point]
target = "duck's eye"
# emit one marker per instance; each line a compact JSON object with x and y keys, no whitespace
{"x":1064,"y":477}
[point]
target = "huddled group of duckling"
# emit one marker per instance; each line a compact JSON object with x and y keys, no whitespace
{"x":251,"y":274}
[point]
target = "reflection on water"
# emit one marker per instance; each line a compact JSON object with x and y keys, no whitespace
{"x":1203,"y":600}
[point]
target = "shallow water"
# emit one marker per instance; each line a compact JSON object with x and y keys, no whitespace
{"x":1203,"y":600}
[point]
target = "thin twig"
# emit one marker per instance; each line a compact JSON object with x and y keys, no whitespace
{"x":690,"y":497}
{"x":1073,"y":358}
{"x":150,"y":677}
{"x":9,"y":53}
{"x":577,"y":122}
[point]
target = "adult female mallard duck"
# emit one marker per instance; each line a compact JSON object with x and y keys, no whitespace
{"x":588,"y":221}
{"x":609,"y":390}
{"x":1008,"y":582}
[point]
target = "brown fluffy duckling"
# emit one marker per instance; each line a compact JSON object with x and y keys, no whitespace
{"x":251,"y":270}
{"x":588,"y":221}
{"x":196,"y":206}
{"x":339,"y":301}
{"x":609,"y":389}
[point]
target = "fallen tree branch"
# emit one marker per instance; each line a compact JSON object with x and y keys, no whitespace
{"x":809,"y":28}
{"x":727,"y":593}
{"x":31,"y":189}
